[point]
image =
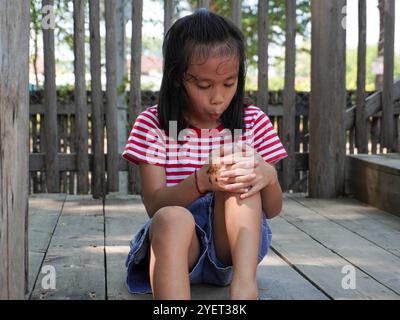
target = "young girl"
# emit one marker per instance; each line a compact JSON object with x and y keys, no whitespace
{"x":207,"y":224}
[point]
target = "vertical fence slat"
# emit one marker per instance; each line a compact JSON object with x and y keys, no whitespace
{"x":14,"y":151}
{"x":50,"y":104}
{"x":387,"y":92}
{"x":98,"y":177}
{"x":328,"y":99}
{"x":203,"y":3}
{"x":262,"y":95}
{"x":361,"y":121}
{"x":135,"y":102}
{"x":62,"y":135}
{"x":375,"y":134}
{"x":289,"y":96}
{"x":81,"y":120}
{"x":111,"y":98}
{"x":237,"y":13}
{"x":168,"y":14}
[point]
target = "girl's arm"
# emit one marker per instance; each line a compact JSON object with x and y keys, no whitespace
{"x":271,"y":197}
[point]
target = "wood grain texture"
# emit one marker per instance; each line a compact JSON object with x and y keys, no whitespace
{"x":14,"y":148}
{"x":328,"y":99}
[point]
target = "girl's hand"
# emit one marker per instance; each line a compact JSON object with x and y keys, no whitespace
{"x":220,"y":160}
{"x":248,"y":174}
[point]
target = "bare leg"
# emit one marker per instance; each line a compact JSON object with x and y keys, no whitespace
{"x":237,"y":230}
{"x":174,"y":250}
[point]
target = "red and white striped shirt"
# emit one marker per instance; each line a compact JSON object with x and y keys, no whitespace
{"x":183,"y":153}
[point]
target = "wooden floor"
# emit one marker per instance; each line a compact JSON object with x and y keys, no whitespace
{"x":317,"y":245}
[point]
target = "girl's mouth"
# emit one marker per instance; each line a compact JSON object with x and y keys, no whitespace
{"x":214,"y":116}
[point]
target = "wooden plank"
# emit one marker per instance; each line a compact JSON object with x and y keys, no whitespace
{"x":289,"y":97}
{"x":14,"y":147}
{"x":370,"y":184}
{"x":111,"y":98}
{"x":361,"y":120}
{"x":369,"y":259}
{"x":97,"y":101}
{"x":203,"y":3}
{"x":374,"y":102}
{"x":375,"y":225}
{"x":44,"y":211}
{"x":388,"y":133}
{"x":169,"y":9}
{"x":375,"y":134}
{"x":72,"y":175}
{"x":135,"y":100}
{"x":279,"y":281}
{"x":236,"y":8}
{"x":389,"y":162}
{"x":262,"y":30}
{"x":50,"y":103}
{"x":124,"y":215}
{"x":373,"y":105}
{"x":81,"y":119}
{"x":320,"y":265}
{"x":76,"y":252}
{"x":328,"y":99}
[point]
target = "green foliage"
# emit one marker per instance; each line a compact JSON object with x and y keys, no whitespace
{"x":351,"y":68}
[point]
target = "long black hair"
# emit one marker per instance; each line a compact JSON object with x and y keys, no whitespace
{"x":192,"y":36}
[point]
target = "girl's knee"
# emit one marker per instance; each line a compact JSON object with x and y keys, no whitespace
{"x":228,"y":194}
{"x":172,"y":220}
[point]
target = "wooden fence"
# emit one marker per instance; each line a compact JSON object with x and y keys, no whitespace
{"x":68,"y":143}
{"x":66,"y":136}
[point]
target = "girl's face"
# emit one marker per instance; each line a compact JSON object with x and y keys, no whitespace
{"x":210,"y":86}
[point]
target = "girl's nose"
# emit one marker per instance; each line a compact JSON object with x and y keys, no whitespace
{"x":217,"y":99}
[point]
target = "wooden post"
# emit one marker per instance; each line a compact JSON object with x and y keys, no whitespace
{"x":262,"y":95}
{"x":237,"y":13}
{"x":168,"y":14}
{"x":328,"y":99}
{"x":98,"y":180}
{"x":81,"y":119}
{"x":111,"y":98}
{"x":135,"y":103}
{"x":388,"y":135}
{"x":289,"y":96}
{"x":121,"y":9}
{"x":361,"y":121}
{"x":50,"y":105}
{"x":203,"y":4}
{"x":14,"y":147}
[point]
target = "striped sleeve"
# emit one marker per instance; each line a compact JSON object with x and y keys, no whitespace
{"x":266,"y":140}
{"x":146,"y":142}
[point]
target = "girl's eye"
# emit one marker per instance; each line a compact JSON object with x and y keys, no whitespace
{"x":203,"y":87}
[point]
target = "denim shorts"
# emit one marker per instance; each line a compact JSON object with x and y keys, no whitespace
{"x":208,"y":269}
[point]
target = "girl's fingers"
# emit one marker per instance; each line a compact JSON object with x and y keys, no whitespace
{"x":248,"y":193}
{"x":246,"y":164}
{"x":241,"y":172}
{"x":235,"y":186}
